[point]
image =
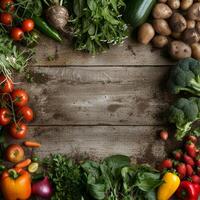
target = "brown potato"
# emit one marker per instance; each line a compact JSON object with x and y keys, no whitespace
{"x":161,"y":11}
{"x":145,"y":33}
{"x":196,"y":51}
{"x":194,"y":12}
{"x":174,"y":4}
{"x":177,"y":23}
{"x":186,"y":4}
{"x":160,"y":41}
{"x":190,"y":23}
{"x":190,"y":36}
{"x":161,"y":27}
{"x":179,"y":50}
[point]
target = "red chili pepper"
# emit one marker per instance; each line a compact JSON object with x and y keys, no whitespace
{"x":188,"y":191}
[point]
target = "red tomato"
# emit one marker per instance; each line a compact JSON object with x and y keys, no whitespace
{"x":19,"y":97}
{"x":18,"y":130}
{"x":28,"y":25}
{"x":6,"y":85}
{"x":5,"y":4}
{"x":5,"y":116}
{"x":27,"y":113}
{"x":6,"y":18}
{"x":17,"y":34}
{"x":14,"y":153}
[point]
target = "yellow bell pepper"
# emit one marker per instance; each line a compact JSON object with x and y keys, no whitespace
{"x":170,"y":184}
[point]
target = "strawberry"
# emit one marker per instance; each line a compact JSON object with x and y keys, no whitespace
{"x":197,"y":161}
{"x":189,"y":170}
{"x":188,"y":160}
{"x":177,"y":154}
{"x":192,"y":138}
{"x":181,"y":169}
{"x":164,"y":135}
{"x":166,"y":164}
{"x":195,"y":179}
{"x":190,"y":149}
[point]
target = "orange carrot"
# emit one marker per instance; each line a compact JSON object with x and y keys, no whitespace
{"x":32,"y":144}
{"x":23,"y":164}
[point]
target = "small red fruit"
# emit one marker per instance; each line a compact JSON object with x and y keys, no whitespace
{"x":195,"y":179}
{"x":7,"y":4}
{"x":164,"y":135}
{"x":177,"y":154}
{"x":189,"y":170}
{"x":181,"y":169}
{"x":188,"y":160}
{"x":28,"y":25}
{"x":192,"y":138}
{"x":6,"y":85}
{"x":190,"y":149}
{"x":166,"y":164}
{"x":26,"y":113}
{"x":19,"y":97}
{"x":5,"y":116}
{"x":17,"y":34}
{"x":6,"y":18}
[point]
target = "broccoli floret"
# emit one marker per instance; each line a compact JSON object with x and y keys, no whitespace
{"x":185,"y":77}
{"x":183,"y":113}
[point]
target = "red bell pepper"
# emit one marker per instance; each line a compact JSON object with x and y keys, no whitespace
{"x":188,"y":191}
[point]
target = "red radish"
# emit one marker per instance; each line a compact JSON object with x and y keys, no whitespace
{"x":181,"y":169}
{"x":195,"y":179}
{"x":189,"y":170}
{"x":197,"y":161}
{"x":166,"y":164}
{"x":177,"y":154}
{"x":190,"y":149}
{"x":192,"y":138}
{"x":164,"y":135}
{"x":188,"y":160}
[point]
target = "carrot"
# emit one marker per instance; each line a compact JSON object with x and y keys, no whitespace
{"x":23,"y":164}
{"x":32,"y":144}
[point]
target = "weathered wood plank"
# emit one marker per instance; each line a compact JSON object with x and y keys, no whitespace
{"x":140,"y":142}
{"x":98,"y":95}
{"x":129,"y":53}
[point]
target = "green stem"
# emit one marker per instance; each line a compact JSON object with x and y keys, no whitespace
{"x":13,"y":174}
{"x":61,"y":2}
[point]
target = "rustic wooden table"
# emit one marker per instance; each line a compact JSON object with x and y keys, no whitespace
{"x":108,"y":104}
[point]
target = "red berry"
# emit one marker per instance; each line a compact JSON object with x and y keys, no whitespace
{"x":188,"y":160}
{"x":192,"y":138}
{"x":195,"y":179}
{"x":190,"y":149}
{"x":164,"y":135}
{"x":189,"y":170}
{"x":177,"y":154}
{"x":181,"y":169}
{"x":166,"y":164}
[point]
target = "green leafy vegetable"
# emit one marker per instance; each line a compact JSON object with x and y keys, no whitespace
{"x":183,"y":113}
{"x":185,"y":76}
{"x":97,"y":24}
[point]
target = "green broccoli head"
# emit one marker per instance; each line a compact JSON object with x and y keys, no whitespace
{"x":185,"y":77}
{"x":183,"y":113}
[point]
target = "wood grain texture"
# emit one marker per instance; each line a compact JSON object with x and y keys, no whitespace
{"x":98,"y":95}
{"x":129,"y":53}
{"x":139,"y":142}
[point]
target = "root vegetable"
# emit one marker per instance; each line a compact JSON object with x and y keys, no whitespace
{"x":57,"y":16}
{"x":196,"y":51}
{"x":161,"y":27}
{"x":161,"y":11}
{"x":186,"y":4}
{"x":194,"y":12}
{"x":146,"y":33}
{"x":177,"y":23}
{"x":190,"y":36}
{"x":179,"y":50}
{"x":174,"y":4}
{"x":190,"y":24}
{"x":160,"y":41}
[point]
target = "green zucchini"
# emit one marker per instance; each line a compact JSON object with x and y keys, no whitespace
{"x":138,"y":11}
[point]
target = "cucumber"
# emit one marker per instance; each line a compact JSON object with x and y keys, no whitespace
{"x":138,"y":11}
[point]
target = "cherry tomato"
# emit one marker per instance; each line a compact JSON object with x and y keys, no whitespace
{"x":17,"y":34}
{"x":14,"y":153}
{"x":19,"y":97}
{"x":7,"y":4}
{"x":6,"y":85}
{"x":6,"y":18}
{"x":26,"y":112}
{"x":28,"y":25}
{"x":18,"y":130}
{"x":5,"y":116}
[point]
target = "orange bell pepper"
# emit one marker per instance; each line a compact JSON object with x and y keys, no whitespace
{"x":16,"y":184}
